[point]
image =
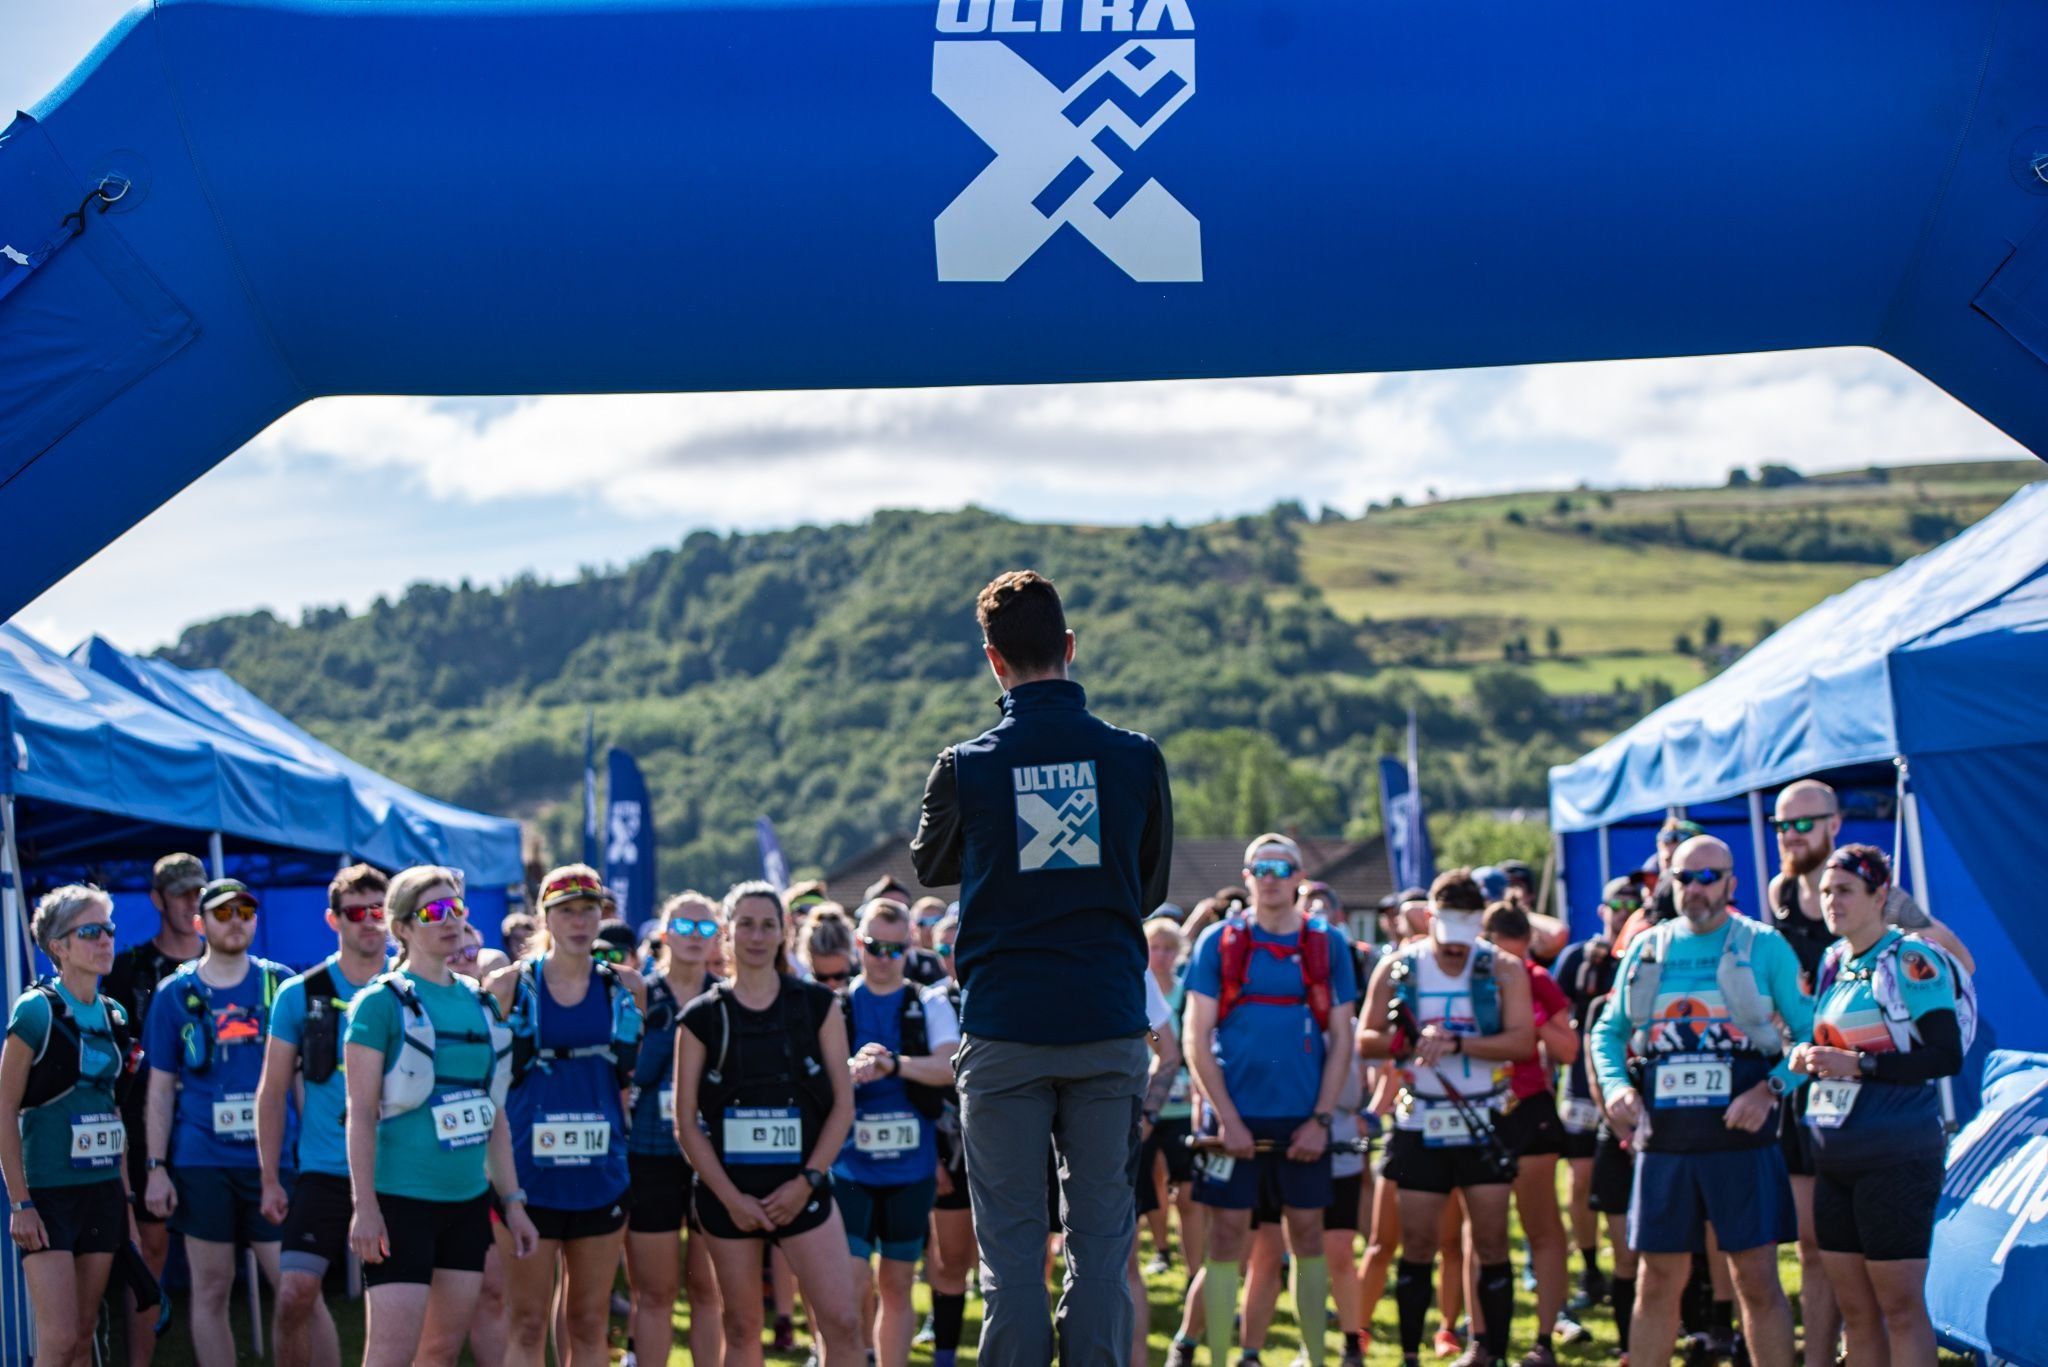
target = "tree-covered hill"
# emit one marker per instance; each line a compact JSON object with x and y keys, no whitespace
{"x":811,"y":674}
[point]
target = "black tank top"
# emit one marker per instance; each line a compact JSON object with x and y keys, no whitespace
{"x":772,"y":1058}
{"x":1809,"y":935}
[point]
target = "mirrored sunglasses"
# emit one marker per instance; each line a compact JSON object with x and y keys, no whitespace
{"x":98,"y":930}
{"x":833,"y":979}
{"x":703,"y":930}
{"x":228,"y":911}
{"x":373,"y":912}
{"x":441,"y":909}
{"x":1705,"y":878}
{"x":608,"y":954}
{"x":884,"y":949}
{"x":1272,"y":868}
{"x":1802,"y":824}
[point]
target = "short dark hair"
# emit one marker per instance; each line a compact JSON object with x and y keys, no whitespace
{"x":887,"y":886}
{"x":1505,"y":921}
{"x":1021,"y":616}
{"x":1457,"y":890}
{"x":359,"y":878}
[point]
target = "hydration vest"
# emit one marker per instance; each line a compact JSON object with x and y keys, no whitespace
{"x":411,"y":1081}
{"x":1482,"y":986}
{"x":775,"y":1064}
{"x":627,"y":1026}
{"x":53,"y":1073}
{"x":320,"y":1036}
{"x":198,"y":1037}
{"x":1891,"y":1001}
{"x":1312,"y":951}
{"x":1749,"y":1009}
{"x":911,"y":1039}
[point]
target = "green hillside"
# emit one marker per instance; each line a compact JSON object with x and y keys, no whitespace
{"x":811,"y":674}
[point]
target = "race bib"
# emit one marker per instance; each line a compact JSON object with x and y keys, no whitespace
{"x":571,"y":1139}
{"x":234,"y":1118}
{"x":1829,"y":1101}
{"x":1579,"y":1114}
{"x":1444,"y":1127}
{"x":97,"y":1141}
{"x":1178,"y":1093}
{"x":666,"y":1103}
{"x":1693,"y":1080}
{"x":462,"y":1120}
{"x":887,"y":1135}
{"x":763,"y":1135}
{"x":1217,"y":1167}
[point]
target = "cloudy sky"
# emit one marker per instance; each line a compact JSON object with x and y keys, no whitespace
{"x":345,"y":499}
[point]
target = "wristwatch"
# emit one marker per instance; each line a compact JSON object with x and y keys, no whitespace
{"x":516,"y":1195}
{"x":1866,"y":1064}
{"x":152,"y":1164}
{"x":1324,"y":1119}
{"x":815,"y":1178}
{"x":1777,"y":1085}
{"x":21,"y":1205}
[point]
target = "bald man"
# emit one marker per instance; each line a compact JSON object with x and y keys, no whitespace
{"x":1692,"y":1064}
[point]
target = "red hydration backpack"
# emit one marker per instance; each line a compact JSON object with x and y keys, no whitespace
{"x":1313,"y":953}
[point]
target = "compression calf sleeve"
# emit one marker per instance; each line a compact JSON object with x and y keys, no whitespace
{"x":1497,"y":1303}
{"x":947,"y":1313}
{"x":1312,"y":1305}
{"x":1621,"y":1294}
{"x":1412,"y":1294}
{"x":1219,"y":1307}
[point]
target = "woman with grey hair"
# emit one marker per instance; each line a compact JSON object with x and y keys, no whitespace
{"x":61,"y":1138}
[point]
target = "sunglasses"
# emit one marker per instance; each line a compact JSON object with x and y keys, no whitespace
{"x":1624,"y":907}
{"x":608,"y":954}
{"x":469,"y":952}
{"x":1802,"y":824}
{"x":1705,"y":878}
{"x":228,"y":911}
{"x":832,"y":979}
{"x":703,"y":930}
{"x":98,"y":930}
{"x":441,"y":909}
{"x":884,"y":949}
{"x":373,"y":912}
{"x":1272,"y":868}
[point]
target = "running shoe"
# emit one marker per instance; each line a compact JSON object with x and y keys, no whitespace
{"x":785,"y":1334}
{"x":927,"y":1334}
{"x":1475,"y":1355}
{"x":1352,"y":1358}
{"x":1448,"y":1342}
{"x":1181,"y":1353}
{"x":1539,"y":1356}
{"x":1570,"y":1330}
{"x":1160,"y":1265}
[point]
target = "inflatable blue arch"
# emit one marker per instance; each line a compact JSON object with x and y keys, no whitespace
{"x":232,"y":206}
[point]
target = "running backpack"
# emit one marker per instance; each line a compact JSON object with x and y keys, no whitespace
{"x":410,"y":1081}
{"x":1312,"y":951}
{"x":320,"y":1036}
{"x":912,"y":1039}
{"x":53,"y":1073}
{"x":628,"y":1023}
{"x":1483,"y":987}
{"x":1891,"y":1000}
{"x":808,"y":1076}
{"x":198,"y":1037}
{"x":1748,"y":1008}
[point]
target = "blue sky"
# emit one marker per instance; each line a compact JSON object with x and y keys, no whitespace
{"x":349,"y":498}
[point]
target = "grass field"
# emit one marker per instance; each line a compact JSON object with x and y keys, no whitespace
{"x":1164,"y":1297}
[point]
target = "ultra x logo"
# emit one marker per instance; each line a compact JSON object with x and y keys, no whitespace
{"x":1059,"y":151}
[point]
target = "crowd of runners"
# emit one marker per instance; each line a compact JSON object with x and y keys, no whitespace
{"x":774,"y":1108}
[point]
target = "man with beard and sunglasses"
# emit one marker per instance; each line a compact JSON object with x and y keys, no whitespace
{"x":205,"y":1042}
{"x":1691,"y":1062}
{"x":306,"y":1028}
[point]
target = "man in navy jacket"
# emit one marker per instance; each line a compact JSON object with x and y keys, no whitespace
{"x":1059,"y":829}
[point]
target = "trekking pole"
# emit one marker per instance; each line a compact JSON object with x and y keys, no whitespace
{"x":1480,"y":1129}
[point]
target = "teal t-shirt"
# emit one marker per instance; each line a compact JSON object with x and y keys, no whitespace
{"x":77,"y":1139}
{"x":1866,"y":1123}
{"x":323,"y":1133}
{"x":1698,"y":1059}
{"x":414,"y":1158}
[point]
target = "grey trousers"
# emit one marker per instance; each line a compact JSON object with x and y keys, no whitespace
{"x":1015,"y":1101}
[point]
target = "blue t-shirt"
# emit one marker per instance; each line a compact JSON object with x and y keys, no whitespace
{"x":891,"y":1144}
{"x":215,"y":1122}
{"x":654,"y":1074}
{"x":71,"y":1141}
{"x":1866,"y":1123}
{"x":323,"y":1140}
{"x":1272,"y":1055}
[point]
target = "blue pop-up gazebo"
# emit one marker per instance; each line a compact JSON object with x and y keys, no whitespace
{"x":1930,"y":681}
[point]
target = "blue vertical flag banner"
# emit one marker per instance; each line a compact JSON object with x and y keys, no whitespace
{"x":774,"y":868}
{"x":1990,"y":1253}
{"x":1408,"y":851}
{"x":629,"y":857}
{"x":590,"y":788}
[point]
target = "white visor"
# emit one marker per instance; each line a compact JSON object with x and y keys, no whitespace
{"x":1456,"y":927}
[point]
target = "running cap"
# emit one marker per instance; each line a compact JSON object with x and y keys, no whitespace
{"x":1517,"y":871}
{"x":1456,"y":927}
{"x":1618,"y":888}
{"x":1165,"y":911}
{"x":572,"y":887}
{"x":1275,"y":840}
{"x":1492,"y":882}
{"x":620,"y":934}
{"x":1407,"y":895}
{"x":178,"y":873}
{"x":222,"y":891}
{"x":1677,"y":831}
